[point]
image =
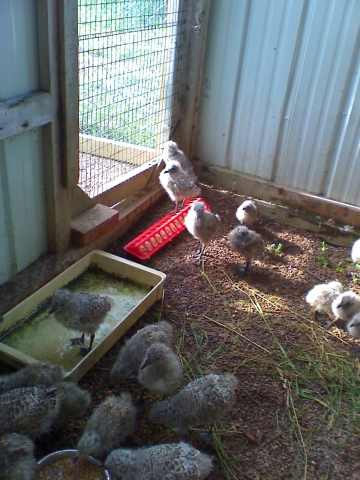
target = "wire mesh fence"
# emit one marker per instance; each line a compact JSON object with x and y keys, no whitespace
{"x":130,"y":62}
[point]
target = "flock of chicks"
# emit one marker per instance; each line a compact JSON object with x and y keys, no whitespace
{"x":36,"y":399}
{"x":180,"y":182}
{"x":343,"y":307}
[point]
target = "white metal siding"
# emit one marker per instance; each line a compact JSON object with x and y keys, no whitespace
{"x":23,"y":229}
{"x":281,"y":97}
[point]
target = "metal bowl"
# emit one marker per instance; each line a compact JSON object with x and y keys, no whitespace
{"x":52,"y":457}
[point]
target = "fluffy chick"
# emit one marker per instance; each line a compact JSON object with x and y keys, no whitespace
{"x":202,"y":225}
{"x":160,"y":371}
{"x":203,"y":401}
{"x":36,"y":374}
{"x":80,"y":311}
{"x":178,"y":184}
{"x":353,"y":326}
{"x":346,"y":305}
{"x":177,"y":461}
{"x":17,"y":460}
{"x":321,"y":296}
{"x":355,"y":252}
{"x":109,"y":425}
{"x":246,"y":242}
{"x":171,"y":152}
{"x":73,"y":402}
{"x":133,"y":352}
{"x":247,"y":213}
{"x":28,"y":410}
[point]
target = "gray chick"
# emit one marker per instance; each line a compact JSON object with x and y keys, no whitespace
{"x":80,"y":311}
{"x":171,"y":152}
{"x":109,"y":425}
{"x":353,"y":326}
{"x":202,"y":225}
{"x":247,"y":213}
{"x":17,"y":460}
{"x":73,"y":402}
{"x":160,"y":371}
{"x":178,"y":184}
{"x":28,"y":410}
{"x":36,"y":374}
{"x":173,"y":461}
{"x":203,"y":401}
{"x":346,"y":305}
{"x":246,"y":242}
{"x":133,"y":352}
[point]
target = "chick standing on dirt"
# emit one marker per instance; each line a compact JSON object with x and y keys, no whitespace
{"x":346,"y":305}
{"x":109,"y":425}
{"x":28,"y":410}
{"x":171,"y":152}
{"x":321,"y":296}
{"x":247,"y":213}
{"x":174,"y":461}
{"x":355,"y":252}
{"x":353,"y":326}
{"x":203,"y":401}
{"x":202,"y":225}
{"x":17,"y":460}
{"x":246,"y":242}
{"x":160,"y":371}
{"x":178,"y":184}
{"x":36,"y":374}
{"x":83,"y":312}
{"x":73,"y":402}
{"x":133,"y":352}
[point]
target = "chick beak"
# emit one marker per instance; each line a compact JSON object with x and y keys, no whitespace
{"x":145,"y":364}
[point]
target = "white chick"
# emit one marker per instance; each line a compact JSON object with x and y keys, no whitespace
{"x":175,"y":461}
{"x":355,"y":252}
{"x":109,"y":425}
{"x":171,"y":152}
{"x":353,"y":326}
{"x":160,"y":371}
{"x":202,"y":225}
{"x":346,"y":305}
{"x":321,"y":296}
{"x":247,"y":213}
{"x":80,"y":311}
{"x":178,"y":184}
{"x":246,"y":242}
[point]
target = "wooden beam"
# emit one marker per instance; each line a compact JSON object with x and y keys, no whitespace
{"x":254,"y":187}
{"x":21,"y":114}
{"x":120,"y":151}
{"x":57,"y":196}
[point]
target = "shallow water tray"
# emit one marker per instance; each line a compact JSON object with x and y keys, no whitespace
{"x":29,"y":333}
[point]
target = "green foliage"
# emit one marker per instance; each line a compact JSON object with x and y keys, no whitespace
{"x":276,"y":249}
{"x":323,"y":259}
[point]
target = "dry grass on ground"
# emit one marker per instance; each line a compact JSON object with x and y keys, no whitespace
{"x":298,"y":409}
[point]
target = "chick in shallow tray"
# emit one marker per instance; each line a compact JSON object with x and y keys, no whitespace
{"x":80,"y":311}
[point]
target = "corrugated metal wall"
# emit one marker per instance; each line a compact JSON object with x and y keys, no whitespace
{"x":23,"y":226}
{"x":281,"y":96}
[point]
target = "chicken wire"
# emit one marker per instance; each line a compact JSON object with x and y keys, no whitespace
{"x":130,"y":62}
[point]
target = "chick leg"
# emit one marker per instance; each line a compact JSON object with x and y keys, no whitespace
{"x":86,"y":350}
{"x":78,"y":340}
{"x":241,"y":271}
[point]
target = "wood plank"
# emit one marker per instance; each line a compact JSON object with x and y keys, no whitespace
{"x":250,"y":186}
{"x":21,"y":114}
{"x":121,"y":151}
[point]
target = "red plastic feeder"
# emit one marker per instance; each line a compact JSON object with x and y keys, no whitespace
{"x":162,"y":232}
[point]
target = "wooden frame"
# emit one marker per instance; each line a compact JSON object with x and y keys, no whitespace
{"x":254,"y":187}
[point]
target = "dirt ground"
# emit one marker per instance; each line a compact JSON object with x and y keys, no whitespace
{"x":298,"y":408}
